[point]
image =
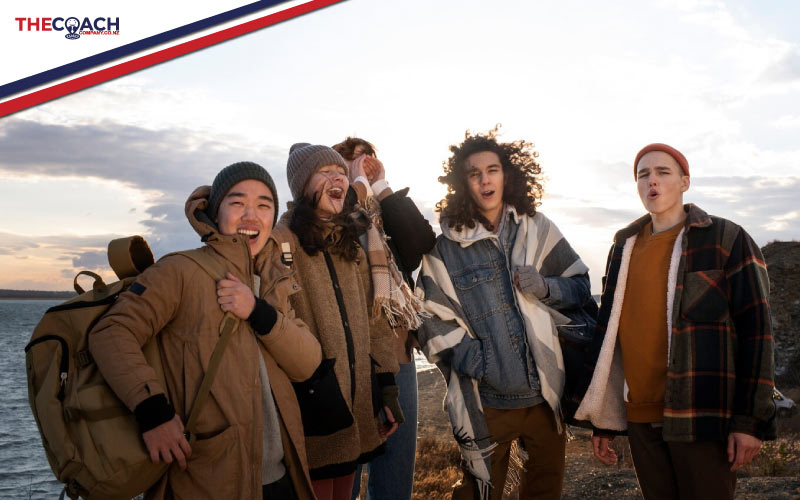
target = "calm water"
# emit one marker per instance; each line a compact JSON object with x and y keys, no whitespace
{"x":24,"y":472}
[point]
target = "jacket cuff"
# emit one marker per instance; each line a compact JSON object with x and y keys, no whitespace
{"x":263,"y":317}
{"x":153,"y":412}
{"x":765,"y":431}
{"x":391,"y":399}
{"x":596,"y":431}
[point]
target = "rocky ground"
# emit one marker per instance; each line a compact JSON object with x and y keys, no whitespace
{"x":774,"y":475}
{"x":783,"y":266}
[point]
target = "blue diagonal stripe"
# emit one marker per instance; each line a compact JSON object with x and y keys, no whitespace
{"x":131,"y":48}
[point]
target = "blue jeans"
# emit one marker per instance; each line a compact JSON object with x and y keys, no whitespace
{"x":391,"y":475}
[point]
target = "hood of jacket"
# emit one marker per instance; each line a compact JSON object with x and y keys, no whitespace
{"x":232,"y":247}
{"x":468,"y":236}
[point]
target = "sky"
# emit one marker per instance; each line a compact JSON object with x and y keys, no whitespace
{"x":588,"y":83}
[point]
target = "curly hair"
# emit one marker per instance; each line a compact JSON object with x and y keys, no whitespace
{"x":314,"y":234}
{"x":347,"y":148}
{"x":520,"y":187}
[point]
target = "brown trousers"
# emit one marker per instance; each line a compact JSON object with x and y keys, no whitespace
{"x":672,"y":471}
{"x":544,"y":473}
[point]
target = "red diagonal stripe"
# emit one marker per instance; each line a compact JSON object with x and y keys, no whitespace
{"x":104,"y":75}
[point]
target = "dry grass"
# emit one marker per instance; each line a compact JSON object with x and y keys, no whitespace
{"x":437,"y":468}
{"x":779,"y":458}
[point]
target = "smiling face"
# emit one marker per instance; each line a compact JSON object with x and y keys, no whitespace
{"x":328,"y":186}
{"x":661,"y":184}
{"x":485,"y":181}
{"x":248,"y":209}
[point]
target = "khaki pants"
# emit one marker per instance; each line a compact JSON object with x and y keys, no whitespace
{"x":672,"y":471}
{"x":545,"y":446}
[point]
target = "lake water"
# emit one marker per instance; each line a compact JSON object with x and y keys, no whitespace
{"x":24,"y":471}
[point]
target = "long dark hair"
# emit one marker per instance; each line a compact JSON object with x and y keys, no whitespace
{"x":338,"y":235}
{"x":520,"y":168}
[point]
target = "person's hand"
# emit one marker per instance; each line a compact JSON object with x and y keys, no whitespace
{"x":391,"y":425}
{"x":167,"y":442}
{"x":528,"y":279}
{"x":602,"y":451}
{"x":236,"y":297}
{"x":742,"y":449}
{"x":373,"y":167}
{"x":357,"y":168}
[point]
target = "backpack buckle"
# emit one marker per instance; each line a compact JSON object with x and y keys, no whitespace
{"x":286,"y":254}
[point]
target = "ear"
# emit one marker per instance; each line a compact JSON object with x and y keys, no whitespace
{"x":685,"y":182}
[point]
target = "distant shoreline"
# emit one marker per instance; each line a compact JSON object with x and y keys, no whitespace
{"x":35,"y":295}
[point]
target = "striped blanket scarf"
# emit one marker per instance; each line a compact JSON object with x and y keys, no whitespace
{"x":537,"y":240}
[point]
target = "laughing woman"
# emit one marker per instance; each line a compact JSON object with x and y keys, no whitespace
{"x":319,"y":236}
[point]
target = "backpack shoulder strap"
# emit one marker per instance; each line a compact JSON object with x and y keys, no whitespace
{"x":210,"y":265}
{"x":227,"y":327}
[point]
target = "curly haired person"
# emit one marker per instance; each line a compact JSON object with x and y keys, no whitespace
{"x":492,"y":285}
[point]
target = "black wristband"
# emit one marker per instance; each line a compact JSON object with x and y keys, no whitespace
{"x":263,"y":317}
{"x":153,"y":412}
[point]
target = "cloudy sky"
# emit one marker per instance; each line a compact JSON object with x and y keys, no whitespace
{"x":588,"y":83}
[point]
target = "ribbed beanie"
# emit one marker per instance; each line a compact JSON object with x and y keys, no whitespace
{"x":304,"y":160}
{"x":234,"y":174}
{"x":666,"y":149}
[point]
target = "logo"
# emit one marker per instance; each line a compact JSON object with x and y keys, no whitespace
{"x":73,"y":25}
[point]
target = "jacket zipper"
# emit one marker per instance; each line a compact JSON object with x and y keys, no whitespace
{"x":63,"y":366}
{"x":348,"y":336}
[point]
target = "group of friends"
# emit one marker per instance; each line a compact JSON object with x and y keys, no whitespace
{"x":319,"y":380}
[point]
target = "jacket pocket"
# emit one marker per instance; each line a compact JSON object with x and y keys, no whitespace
{"x":215,"y":469}
{"x":704,"y":298}
{"x":322,"y":406}
{"x":472,"y":276}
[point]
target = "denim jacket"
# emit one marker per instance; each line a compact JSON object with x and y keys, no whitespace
{"x":478,"y":263}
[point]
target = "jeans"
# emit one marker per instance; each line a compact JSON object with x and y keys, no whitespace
{"x":391,"y":475}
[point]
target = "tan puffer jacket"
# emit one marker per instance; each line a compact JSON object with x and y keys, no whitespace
{"x":178,"y":301}
{"x":316,"y":304}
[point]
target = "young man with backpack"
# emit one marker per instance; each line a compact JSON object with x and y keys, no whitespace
{"x":683,"y":344}
{"x":248,"y":437}
{"x":492,"y":285}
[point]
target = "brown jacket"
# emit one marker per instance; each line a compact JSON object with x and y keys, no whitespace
{"x":316,"y":304}
{"x":177,"y":300}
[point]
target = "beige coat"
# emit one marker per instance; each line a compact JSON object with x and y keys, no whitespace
{"x":316,"y":305}
{"x":179,"y":304}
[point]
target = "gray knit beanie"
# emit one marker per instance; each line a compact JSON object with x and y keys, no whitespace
{"x":304,"y":160}
{"x":234,"y":174}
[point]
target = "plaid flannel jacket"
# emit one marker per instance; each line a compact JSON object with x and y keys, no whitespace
{"x":720,"y":371}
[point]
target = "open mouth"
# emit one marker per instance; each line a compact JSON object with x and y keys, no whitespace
{"x":335,"y":193}
{"x":652,"y":194}
{"x":487,"y":194}
{"x":251,"y":234}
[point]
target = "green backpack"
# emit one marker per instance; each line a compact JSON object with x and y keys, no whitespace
{"x":91,"y":439}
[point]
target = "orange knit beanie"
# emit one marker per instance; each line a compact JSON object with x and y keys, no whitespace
{"x":666,"y":149}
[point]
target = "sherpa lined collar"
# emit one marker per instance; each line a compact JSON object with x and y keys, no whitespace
{"x":696,"y":217}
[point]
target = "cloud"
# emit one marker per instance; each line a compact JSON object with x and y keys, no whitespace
{"x":601,"y":216}
{"x":787,"y":121}
{"x":173,"y":161}
{"x":786,"y":69}
{"x":90,"y":260}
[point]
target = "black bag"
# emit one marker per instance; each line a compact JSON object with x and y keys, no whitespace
{"x":576,"y":339}
{"x":322,"y":406}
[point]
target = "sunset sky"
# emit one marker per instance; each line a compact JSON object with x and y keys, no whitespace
{"x":589,"y":83}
